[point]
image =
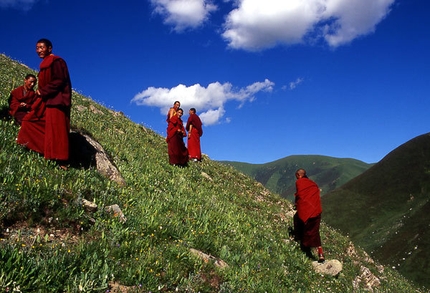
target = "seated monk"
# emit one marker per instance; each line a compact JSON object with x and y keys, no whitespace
{"x":21,"y":98}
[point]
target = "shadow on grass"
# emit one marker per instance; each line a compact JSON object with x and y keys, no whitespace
{"x":82,"y":153}
{"x":4,"y":114}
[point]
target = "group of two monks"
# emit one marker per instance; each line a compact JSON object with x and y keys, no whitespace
{"x":44,"y":114}
{"x":179,"y":155}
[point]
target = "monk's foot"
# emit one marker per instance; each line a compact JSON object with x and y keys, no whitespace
{"x":65,"y":168}
{"x":62,"y":165}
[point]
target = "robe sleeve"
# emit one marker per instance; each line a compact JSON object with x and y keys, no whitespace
{"x":58,"y":90}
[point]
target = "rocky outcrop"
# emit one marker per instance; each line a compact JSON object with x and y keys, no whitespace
{"x":114,"y":209}
{"x":206,"y":258}
{"x":87,"y":152}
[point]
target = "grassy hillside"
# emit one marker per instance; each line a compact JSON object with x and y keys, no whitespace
{"x":50,"y":243}
{"x":386,"y":210}
{"x":278,"y":176}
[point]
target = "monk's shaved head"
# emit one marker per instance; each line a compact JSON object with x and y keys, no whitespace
{"x":47,"y":42}
{"x":300,"y":173}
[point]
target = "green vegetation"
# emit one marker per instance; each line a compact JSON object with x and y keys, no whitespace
{"x":50,"y":243}
{"x":278,"y":176}
{"x":386,"y":209}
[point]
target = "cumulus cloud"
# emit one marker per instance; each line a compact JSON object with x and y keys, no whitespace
{"x":209,"y":101}
{"x":17,"y":4}
{"x":183,"y":14}
{"x":256,"y":25}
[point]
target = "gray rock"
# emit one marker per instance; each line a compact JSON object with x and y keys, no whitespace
{"x":329,"y":267}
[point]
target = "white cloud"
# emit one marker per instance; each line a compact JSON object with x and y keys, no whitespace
{"x":295,"y":83}
{"x":183,"y":14}
{"x":17,"y":4}
{"x":352,"y":19}
{"x":255,"y":25}
{"x":212,"y":116}
{"x":208,"y":101}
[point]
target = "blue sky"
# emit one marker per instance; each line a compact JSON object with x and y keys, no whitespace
{"x":342,"y":78}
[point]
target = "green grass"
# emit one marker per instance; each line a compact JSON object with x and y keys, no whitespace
{"x":50,"y":243}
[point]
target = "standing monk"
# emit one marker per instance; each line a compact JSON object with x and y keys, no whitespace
{"x":195,"y":131}
{"x":178,"y":153}
{"x":46,"y":128}
{"x":21,"y":98}
{"x":308,"y":216}
{"x":172,"y":110}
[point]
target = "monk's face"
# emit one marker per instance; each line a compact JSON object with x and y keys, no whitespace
{"x":180,"y":113}
{"x":29,"y":83}
{"x":42,"y":50}
{"x":176,"y":105}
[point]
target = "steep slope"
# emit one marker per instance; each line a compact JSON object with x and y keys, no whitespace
{"x":51,"y":242}
{"x":278,"y":176}
{"x":386,"y":209}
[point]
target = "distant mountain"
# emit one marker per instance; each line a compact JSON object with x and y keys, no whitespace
{"x":278,"y":176}
{"x":386,"y":210}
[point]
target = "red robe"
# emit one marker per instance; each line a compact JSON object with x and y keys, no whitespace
{"x":308,"y":200}
{"x":18,"y":96}
{"x":178,"y":153}
{"x":308,"y":216}
{"x":194,"y":149}
{"x":46,"y":128}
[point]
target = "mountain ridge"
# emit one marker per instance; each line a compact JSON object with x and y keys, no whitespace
{"x":385,"y":209}
{"x":278,"y":176}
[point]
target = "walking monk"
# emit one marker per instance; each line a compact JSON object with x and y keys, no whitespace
{"x":195,"y":131}
{"x":21,"y":98}
{"x":308,"y":216}
{"x":46,"y":128}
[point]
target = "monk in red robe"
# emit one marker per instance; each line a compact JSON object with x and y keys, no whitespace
{"x":178,"y":153}
{"x":195,"y":131}
{"x":308,"y":216}
{"x":21,"y":98}
{"x":46,"y":128}
{"x":172,"y":110}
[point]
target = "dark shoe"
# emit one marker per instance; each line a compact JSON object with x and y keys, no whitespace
{"x":321,"y":258}
{"x":308,"y":252}
{"x":291,"y":232}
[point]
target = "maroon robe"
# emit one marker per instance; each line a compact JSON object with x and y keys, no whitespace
{"x":194,"y":135}
{"x":308,"y":217}
{"x":178,"y":153}
{"x":46,"y":128}
{"x":18,"y":96}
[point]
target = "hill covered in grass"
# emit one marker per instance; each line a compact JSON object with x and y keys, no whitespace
{"x":51,"y":242}
{"x":386,"y":210}
{"x":278,"y":176}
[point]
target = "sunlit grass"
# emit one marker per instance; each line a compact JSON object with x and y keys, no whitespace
{"x":169,"y":210}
